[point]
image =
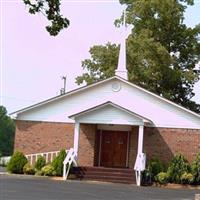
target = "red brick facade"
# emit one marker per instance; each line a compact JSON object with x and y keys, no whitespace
{"x":133,"y":144}
{"x":166,"y":142}
{"x":38,"y":137}
{"x":35,"y":137}
{"x":86,"y":149}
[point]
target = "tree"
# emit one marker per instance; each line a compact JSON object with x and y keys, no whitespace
{"x":102,"y":64}
{"x":51,"y":10}
{"x":7,"y":130}
{"x":162,"y":52}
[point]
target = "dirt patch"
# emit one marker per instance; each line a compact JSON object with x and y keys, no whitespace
{"x":177,"y":186}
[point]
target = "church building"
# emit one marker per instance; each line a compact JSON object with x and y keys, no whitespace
{"x":112,"y":124}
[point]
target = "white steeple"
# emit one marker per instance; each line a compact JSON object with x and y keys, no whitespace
{"x":121,"y":68}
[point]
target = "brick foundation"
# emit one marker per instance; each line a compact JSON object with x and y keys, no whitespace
{"x":37,"y":137}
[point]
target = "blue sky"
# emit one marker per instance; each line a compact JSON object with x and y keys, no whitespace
{"x":32,"y":62}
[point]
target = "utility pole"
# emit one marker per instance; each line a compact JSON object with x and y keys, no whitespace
{"x":62,"y":90}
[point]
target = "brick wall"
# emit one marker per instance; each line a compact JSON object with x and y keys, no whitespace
{"x":133,"y":142}
{"x":36,"y":137}
{"x":86,"y":151}
{"x":166,"y":142}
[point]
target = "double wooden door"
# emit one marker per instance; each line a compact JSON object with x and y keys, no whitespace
{"x":114,"y":148}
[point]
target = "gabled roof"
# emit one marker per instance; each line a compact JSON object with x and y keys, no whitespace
{"x":62,"y":96}
{"x":98,"y":107}
{"x":99,"y":83}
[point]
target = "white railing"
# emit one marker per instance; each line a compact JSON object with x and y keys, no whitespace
{"x":140,"y":165}
{"x":49,"y":156}
{"x":70,"y":158}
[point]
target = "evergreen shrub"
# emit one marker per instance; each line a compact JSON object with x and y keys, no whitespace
{"x":196,"y":170}
{"x":177,"y":167}
{"x":16,"y":163}
{"x":58,"y":162}
{"x":40,"y":163}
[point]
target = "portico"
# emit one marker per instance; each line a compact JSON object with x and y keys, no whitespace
{"x":113,"y":127}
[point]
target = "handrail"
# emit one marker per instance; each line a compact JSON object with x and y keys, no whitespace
{"x":140,"y":165}
{"x":70,"y":158}
{"x":44,"y":154}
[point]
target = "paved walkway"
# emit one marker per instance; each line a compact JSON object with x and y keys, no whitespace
{"x":32,"y":188}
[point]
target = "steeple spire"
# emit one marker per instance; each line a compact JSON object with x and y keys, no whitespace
{"x":121,"y":68}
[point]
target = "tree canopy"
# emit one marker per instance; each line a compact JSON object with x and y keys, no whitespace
{"x":51,"y":10}
{"x":162,"y":52}
{"x":7,"y":130}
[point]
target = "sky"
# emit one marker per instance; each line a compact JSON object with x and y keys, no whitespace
{"x":32,"y":62}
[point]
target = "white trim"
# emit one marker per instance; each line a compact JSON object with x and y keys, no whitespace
{"x":110,"y":122}
{"x":171,"y":126}
{"x":76,"y":136}
{"x":140,"y":139}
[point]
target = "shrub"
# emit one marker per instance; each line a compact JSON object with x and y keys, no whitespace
{"x":178,"y":166}
{"x":162,"y":178}
{"x":48,"y":170}
{"x":28,"y":169}
{"x":40,"y":163}
{"x":58,"y":162}
{"x":187,"y":178}
{"x":38,"y":173}
{"x":146,"y":177}
{"x":16,"y":163}
{"x":196,"y":169}
{"x":155,"y":166}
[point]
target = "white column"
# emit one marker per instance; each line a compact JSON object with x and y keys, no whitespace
{"x":140,"y":139}
{"x":139,"y":164}
{"x":76,"y":136}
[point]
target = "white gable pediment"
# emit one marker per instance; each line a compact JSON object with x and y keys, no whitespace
{"x":109,"y":113}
